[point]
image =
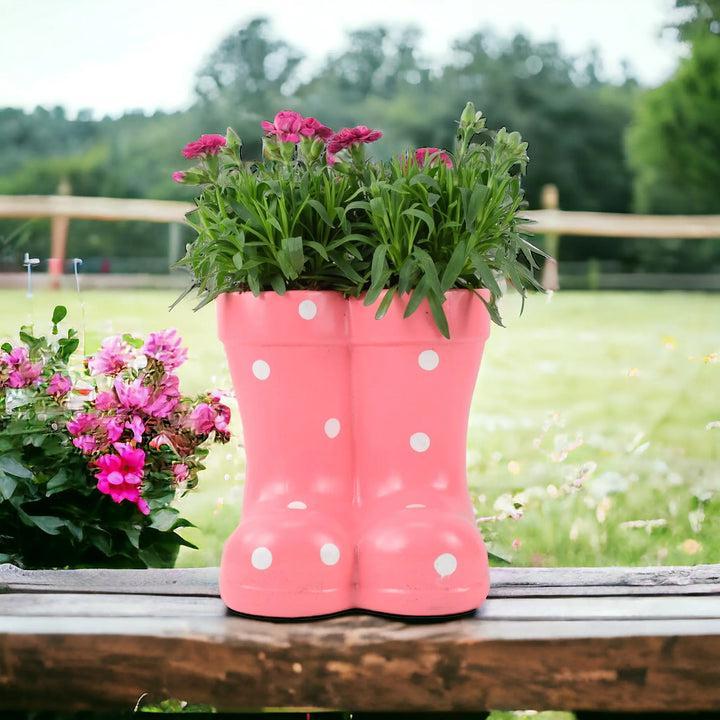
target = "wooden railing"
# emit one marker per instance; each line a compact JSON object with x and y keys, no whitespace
{"x":549,"y":221}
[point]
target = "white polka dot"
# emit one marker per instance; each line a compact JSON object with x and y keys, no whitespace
{"x":307,"y":309}
{"x":445,"y":564}
{"x":261,"y":370}
{"x":419,"y":441}
{"x":428,"y":359}
{"x":261,"y":558}
{"x":330,"y":554}
{"x":297,"y":505}
{"x":415,"y":506}
{"x":332,"y":428}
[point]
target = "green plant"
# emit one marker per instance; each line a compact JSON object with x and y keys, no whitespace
{"x":91,"y":462}
{"x":322,"y":216}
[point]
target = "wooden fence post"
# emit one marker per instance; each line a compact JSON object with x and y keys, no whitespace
{"x":59,"y":225}
{"x":550,"y":200}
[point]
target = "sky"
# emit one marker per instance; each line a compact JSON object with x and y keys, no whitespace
{"x":115,"y":55}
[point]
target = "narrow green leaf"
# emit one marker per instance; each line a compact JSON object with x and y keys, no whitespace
{"x":438,"y":314}
{"x":385,"y":304}
{"x":454,"y":267}
{"x":421,"y":215}
{"x":417,"y":297}
{"x":278,"y":284}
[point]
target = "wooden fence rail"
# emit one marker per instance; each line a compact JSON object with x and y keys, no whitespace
{"x":550,"y":221}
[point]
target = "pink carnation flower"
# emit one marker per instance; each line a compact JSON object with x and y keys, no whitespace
{"x":286,"y":126}
{"x":433,"y":155}
{"x":85,"y":443}
{"x":207,"y":417}
{"x":113,"y":356}
{"x":178,"y":176}
{"x":105,"y":400}
{"x":82,"y":423}
{"x":348,"y":137}
{"x":59,"y":385}
{"x":204,"y":145}
{"x":181,"y":472}
{"x":137,"y":427}
{"x":165,"y":348}
{"x":120,"y":475}
{"x":313,"y":128}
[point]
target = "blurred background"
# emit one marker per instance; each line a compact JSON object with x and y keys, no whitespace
{"x":594,"y":436}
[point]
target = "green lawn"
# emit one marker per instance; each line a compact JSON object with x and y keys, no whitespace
{"x":611,"y":391}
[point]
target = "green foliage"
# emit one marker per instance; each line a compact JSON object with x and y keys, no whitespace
{"x":408,"y":225}
{"x":51,"y":513}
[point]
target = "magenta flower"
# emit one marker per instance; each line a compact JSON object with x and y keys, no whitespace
{"x":165,"y":348}
{"x":120,"y":475}
{"x":204,"y":145}
{"x":85,"y":443}
{"x":207,"y":417}
{"x":165,"y":398}
{"x":180,"y":471}
{"x":113,"y":356}
{"x":82,"y":423}
{"x":433,"y":155}
{"x":347,"y":137}
{"x":21,"y":372}
{"x":105,"y":400}
{"x":178,"y":176}
{"x":113,"y":428}
{"x":59,"y":385}
{"x":159,"y":440}
{"x":137,"y":427}
{"x":132,"y":396}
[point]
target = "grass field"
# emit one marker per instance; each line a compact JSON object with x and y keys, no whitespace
{"x":588,"y":442}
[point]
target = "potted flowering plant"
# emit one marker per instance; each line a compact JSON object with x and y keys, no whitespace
{"x":354,"y":300}
{"x":92,"y":460}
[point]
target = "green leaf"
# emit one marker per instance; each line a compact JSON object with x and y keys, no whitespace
{"x":473,"y":205}
{"x":321,"y":250}
{"x":486,"y":275}
{"x":321,"y":211}
{"x":278,"y":284}
{"x":7,"y":347}
{"x":57,"y":483}
{"x":377,"y":268}
{"x":438,"y":313}
{"x":59,"y":314}
{"x":13,"y":467}
{"x":47,"y":523}
{"x":7,"y":486}
{"x":417,"y":297}
{"x":421,"y":215}
{"x":164,"y":519}
{"x":293,"y":246}
{"x":454,"y":267}
{"x":237,"y":259}
{"x":385,"y":304}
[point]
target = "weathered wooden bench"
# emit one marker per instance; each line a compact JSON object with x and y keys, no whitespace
{"x":584,"y":639}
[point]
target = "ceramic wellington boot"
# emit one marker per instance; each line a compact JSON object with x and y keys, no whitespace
{"x":419,"y":550}
{"x":293,"y":553}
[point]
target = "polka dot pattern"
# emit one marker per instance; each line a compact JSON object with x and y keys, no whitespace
{"x":420,"y":442}
{"x":261,"y":558}
{"x":261,"y":369}
{"x":445,"y":564}
{"x":307,"y":309}
{"x":330,"y":554}
{"x":297,"y":505}
{"x":428,"y":360}
{"x":332,"y":428}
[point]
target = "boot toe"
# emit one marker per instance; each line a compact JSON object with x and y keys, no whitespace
{"x":287,"y":564}
{"x":422,"y":562}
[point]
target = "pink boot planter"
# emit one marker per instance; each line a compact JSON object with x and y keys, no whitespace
{"x":355,"y":433}
{"x":355,"y":415}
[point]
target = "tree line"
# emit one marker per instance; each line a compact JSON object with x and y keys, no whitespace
{"x":608,"y":146}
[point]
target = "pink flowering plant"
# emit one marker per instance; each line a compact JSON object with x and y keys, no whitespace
{"x":93,"y":454}
{"x":318,"y":213}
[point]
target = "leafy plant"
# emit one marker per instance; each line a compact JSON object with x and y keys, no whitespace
{"x":92,"y":461}
{"x":317,"y":214}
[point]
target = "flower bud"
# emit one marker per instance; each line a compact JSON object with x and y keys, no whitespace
{"x":234,"y":142}
{"x":271,"y":149}
{"x":468,"y":115}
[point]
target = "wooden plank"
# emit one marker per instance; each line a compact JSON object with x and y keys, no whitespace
{"x":554,"y":222}
{"x":361,"y":662}
{"x":67,"y":605}
{"x":506,"y":582}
